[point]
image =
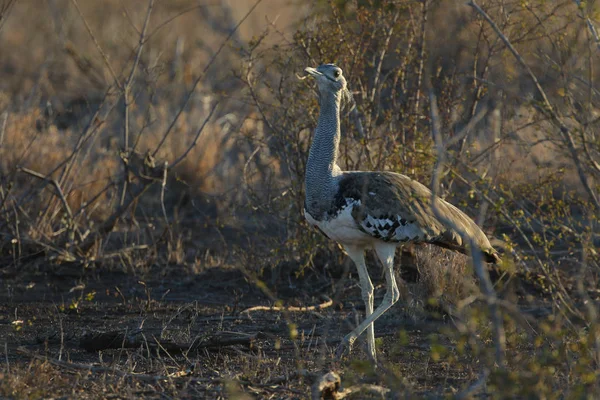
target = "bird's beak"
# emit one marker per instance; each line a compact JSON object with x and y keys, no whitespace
{"x":312,"y":71}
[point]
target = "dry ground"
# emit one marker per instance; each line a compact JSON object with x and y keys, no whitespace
{"x":155,"y":306}
{"x":46,"y":317}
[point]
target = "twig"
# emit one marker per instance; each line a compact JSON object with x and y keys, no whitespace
{"x":92,"y":200}
{"x":474,"y":387}
{"x":91,"y":129}
{"x":303,"y":373}
{"x":17,"y":253}
{"x":59,"y":191}
{"x":586,"y":150}
{"x":197,"y":81}
{"x":590,"y":25}
{"x":3,"y":197}
{"x":104,"y":370}
{"x":364,"y":387}
{"x":98,"y":47}
{"x":62,"y":337}
{"x":195,"y":141}
{"x":126,"y":97}
{"x":416,"y":110}
{"x":561,"y":294}
{"x":129,"y":80}
{"x":163,"y":186}
{"x":97,"y":341}
{"x":108,"y":225}
{"x":170,"y":19}
{"x":482,"y":273}
{"x":5,"y":10}
{"x":388,"y":37}
{"x":122,"y":251}
{"x":6,"y":357}
{"x":548,"y":109}
{"x":148,"y":173}
{"x":3,"y":127}
{"x":326,"y":304}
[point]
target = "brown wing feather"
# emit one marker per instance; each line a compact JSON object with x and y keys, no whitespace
{"x":387,"y":195}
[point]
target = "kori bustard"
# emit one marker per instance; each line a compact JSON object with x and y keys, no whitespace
{"x":378,"y":210}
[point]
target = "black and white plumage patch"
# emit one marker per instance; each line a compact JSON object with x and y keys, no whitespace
{"x":392,"y":228}
{"x":340,"y":225}
{"x":393,"y":208}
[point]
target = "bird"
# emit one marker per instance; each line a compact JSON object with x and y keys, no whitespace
{"x":377,"y":210}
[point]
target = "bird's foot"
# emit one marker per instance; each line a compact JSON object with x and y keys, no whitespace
{"x":345,"y":347}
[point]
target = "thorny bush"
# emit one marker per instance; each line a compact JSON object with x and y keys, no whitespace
{"x":527,"y":169}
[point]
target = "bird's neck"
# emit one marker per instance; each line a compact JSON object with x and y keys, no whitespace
{"x":322,"y":168}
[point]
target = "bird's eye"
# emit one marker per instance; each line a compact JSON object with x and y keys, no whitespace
{"x":337,"y":73}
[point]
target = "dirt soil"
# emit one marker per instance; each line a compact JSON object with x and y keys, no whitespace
{"x":46,"y":319}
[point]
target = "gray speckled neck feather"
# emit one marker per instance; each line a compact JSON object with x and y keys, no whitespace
{"x":322,"y":168}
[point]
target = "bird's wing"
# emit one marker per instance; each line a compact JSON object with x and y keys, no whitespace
{"x":395,"y":208}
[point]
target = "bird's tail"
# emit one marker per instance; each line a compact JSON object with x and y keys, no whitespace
{"x":490,"y":255}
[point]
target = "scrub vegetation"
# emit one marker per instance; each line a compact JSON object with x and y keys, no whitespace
{"x":152,"y":156}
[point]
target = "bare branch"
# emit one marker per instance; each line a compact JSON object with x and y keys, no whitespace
{"x":128,"y":82}
{"x":195,"y":141}
{"x":105,"y":370}
{"x":590,"y":25}
{"x":3,"y":127}
{"x":5,"y":9}
{"x":482,"y":273}
{"x":326,"y":304}
{"x":98,"y":47}
{"x":163,"y":186}
{"x":474,"y":387}
{"x":588,"y":153}
{"x":54,"y":183}
{"x":109,"y":224}
{"x":416,"y":110}
{"x":547,"y":109}
{"x":120,"y":339}
{"x":197,"y":81}
{"x":126,"y":93}
{"x":171,"y":19}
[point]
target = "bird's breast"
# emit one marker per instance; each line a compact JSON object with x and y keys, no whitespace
{"x":339,"y":224}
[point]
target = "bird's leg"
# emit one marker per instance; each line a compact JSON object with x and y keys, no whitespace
{"x":385,"y":253}
{"x":357,"y":255}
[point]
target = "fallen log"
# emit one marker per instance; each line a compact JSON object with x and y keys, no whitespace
{"x":97,"y":341}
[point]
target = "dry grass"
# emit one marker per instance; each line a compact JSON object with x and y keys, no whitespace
{"x":63,"y":63}
{"x":43,"y":150}
{"x":444,"y":275}
{"x":37,"y":380}
{"x":223,"y":231}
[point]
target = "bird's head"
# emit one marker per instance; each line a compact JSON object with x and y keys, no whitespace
{"x":329,"y":78}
